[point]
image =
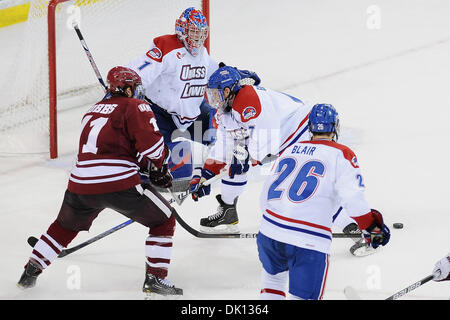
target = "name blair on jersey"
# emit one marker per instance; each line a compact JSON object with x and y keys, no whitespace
{"x":307,"y":150}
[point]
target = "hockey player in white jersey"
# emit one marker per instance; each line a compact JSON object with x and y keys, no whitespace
{"x":311,"y":180}
{"x":174,"y":73}
{"x":254,"y":122}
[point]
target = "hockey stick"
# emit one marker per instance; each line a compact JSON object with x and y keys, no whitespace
{"x":89,"y":55}
{"x":410,"y":288}
{"x":33,"y":240}
{"x":351,"y":293}
{"x":181,"y":197}
{"x":199,"y":234}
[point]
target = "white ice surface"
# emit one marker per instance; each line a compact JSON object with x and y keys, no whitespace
{"x":391,"y":87}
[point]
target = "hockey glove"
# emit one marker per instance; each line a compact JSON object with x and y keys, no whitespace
{"x":239,"y":164}
{"x":377,"y":233}
{"x":160,"y":177}
{"x":196,"y":186}
{"x":442,"y":269}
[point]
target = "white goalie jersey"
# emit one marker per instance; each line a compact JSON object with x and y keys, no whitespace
{"x":174,"y":79}
{"x":311,"y":180}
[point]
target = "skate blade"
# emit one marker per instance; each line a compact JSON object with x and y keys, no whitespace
{"x":224,"y":228}
{"x":21,"y":287}
{"x":361,"y":250}
{"x":157,"y":296}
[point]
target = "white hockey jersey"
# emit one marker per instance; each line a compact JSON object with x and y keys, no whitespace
{"x":311,"y":180}
{"x":174,"y":79}
{"x":272,"y":119}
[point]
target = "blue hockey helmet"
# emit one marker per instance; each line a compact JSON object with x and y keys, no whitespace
{"x":324,"y":119}
{"x":225,"y":77}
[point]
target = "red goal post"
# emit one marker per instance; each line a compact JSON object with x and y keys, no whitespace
{"x":53,"y":72}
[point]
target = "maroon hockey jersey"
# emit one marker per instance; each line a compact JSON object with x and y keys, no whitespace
{"x":119,"y":136}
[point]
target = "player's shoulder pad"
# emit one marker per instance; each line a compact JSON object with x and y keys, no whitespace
{"x":346,"y":151}
{"x":247,"y":103}
{"x":164,"y":45}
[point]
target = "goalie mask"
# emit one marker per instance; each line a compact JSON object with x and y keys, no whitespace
{"x":225,"y":77}
{"x":192,"y":29}
{"x":120,"y":78}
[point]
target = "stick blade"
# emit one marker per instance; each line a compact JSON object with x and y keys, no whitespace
{"x":32,"y":241}
{"x":351,"y":294}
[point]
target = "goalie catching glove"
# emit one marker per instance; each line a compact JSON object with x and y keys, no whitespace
{"x":377,"y":233}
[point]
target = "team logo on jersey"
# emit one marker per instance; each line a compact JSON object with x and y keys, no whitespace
{"x":248,"y":113}
{"x":189,"y":72}
{"x":155,"y":54}
{"x":193,"y":91}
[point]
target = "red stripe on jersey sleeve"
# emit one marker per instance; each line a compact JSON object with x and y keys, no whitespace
{"x":164,"y":45}
{"x":346,"y":151}
{"x":364,"y":221}
{"x":247,"y":103}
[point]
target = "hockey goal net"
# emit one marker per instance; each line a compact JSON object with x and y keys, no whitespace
{"x":49,"y":72}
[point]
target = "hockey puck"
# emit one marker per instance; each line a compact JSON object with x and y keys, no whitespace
{"x":398,"y":225}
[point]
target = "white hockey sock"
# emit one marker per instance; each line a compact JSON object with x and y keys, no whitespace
{"x":232,"y":188}
{"x":46,"y":250}
{"x":158,"y":251}
{"x":273,"y":286}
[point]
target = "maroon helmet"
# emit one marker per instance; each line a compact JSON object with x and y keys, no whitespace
{"x":119,"y":78}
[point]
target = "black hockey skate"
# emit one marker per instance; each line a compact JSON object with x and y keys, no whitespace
{"x":155,"y":285}
{"x":29,"y":275}
{"x":225,"y":220}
